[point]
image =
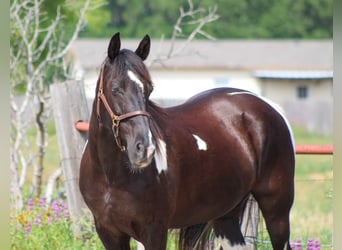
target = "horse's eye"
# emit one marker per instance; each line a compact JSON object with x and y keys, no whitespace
{"x":116,"y":90}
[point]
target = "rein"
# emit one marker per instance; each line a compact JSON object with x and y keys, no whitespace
{"x":116,"y":119}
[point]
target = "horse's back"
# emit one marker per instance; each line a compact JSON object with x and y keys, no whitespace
{"x":238,"y":109}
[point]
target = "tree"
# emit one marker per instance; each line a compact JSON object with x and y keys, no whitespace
{"x":188,"y":25}
{"x":238,"y":19}
{"x":39,"y":43}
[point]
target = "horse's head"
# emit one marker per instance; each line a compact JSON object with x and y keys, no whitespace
{"x":123,"y":90}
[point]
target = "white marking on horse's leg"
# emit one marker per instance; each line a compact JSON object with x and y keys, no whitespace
{"x":224,"y":243}
{"x":161,"y":156}
{"x":135,"y":79}
{"x":202,"y":145}
{"x":275,"y":106}
{"x":140,"y":246}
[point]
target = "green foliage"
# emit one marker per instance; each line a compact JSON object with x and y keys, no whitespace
{"x":39,"y":226}
{"x":238,"y":19}
{"x":36,"y":27}
{"x":302,"y":136}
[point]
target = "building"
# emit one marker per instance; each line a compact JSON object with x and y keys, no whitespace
{"x":297,"y":74}
{"x":305,"y":95}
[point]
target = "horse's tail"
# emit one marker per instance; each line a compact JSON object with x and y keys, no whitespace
{"x":196,"y":237}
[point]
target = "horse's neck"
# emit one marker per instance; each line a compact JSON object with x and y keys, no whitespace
{"x":108,"y":159}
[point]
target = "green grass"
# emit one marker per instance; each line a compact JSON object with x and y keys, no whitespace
{"x":312,"y":210}
{"x":311,"y":216}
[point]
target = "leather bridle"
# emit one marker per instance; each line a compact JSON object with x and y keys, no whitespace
{"x":116,"y":119}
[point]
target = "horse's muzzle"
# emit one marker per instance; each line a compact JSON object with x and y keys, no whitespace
{"x":143,"y":156}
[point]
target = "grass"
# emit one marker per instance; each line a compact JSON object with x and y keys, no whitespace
{"x":312,"y":213}
{"x":311,"y":216}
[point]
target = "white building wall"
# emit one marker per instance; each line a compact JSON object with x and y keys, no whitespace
{"x":174,"y":87}
{"x":314,"y":112}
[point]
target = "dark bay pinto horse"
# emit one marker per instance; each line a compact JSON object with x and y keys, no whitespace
{"x":146,"y":169}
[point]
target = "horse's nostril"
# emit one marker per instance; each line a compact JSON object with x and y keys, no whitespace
{"x":140,"y":147}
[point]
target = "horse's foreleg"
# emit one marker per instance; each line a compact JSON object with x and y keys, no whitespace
{"x":227,"y":230}
{"x":113,"y":241}
{"x":155,"y":237}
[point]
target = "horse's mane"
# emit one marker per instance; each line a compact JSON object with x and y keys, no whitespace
{"x":157,"y":114}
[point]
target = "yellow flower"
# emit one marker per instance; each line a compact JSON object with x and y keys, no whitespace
{"x":22,"y":218}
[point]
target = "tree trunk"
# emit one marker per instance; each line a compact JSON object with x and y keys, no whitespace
{"x":38,"y":171}
{"x":15,"y":189}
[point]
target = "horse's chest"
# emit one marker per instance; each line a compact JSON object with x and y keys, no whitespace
{"x":116,"y":203}
{"x":115,"y":209}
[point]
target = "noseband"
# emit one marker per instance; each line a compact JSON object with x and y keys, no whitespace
{"x":116,"y":119}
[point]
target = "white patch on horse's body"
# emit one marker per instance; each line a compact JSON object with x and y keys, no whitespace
{"x":202,"y":145}
{"x":275,"y":106}
{"x":224,"y":243}
{"x":135,"y":79}
{"x":161,"y":156}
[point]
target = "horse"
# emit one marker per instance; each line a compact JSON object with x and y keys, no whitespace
{"x":146,"y":169}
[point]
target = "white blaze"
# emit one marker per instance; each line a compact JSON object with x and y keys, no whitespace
{"x":202,"y":145}
{"x":135,"y":79}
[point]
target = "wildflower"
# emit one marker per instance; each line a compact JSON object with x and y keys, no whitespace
{"x":309,"y":244}
{"x":316,"y":245}
{"x":28,"y":229}
{"x":50,"y":220}
{"x":30,"y":204}
{"x":38,"y":220}
{"x":55,"y":206}
{"x":66,"y":214}
{"x":296,"y":245}
{"x":313,"y":244}
{"x":42,"y":202}
{"x":22,"y":218}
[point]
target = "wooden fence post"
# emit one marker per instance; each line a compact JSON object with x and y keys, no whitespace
{"x":69,"y":105}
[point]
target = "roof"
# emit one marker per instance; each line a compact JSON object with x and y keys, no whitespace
{"x":220,"y":54}
{"x":294,"y":74}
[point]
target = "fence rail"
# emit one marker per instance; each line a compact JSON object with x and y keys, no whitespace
{"x":304,"y":149}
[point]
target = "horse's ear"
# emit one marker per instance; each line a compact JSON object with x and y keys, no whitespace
{"x":114,"y":46}
{"x":144,"y":48}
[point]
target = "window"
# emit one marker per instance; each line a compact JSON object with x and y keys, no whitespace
{"x":302,"y":92}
